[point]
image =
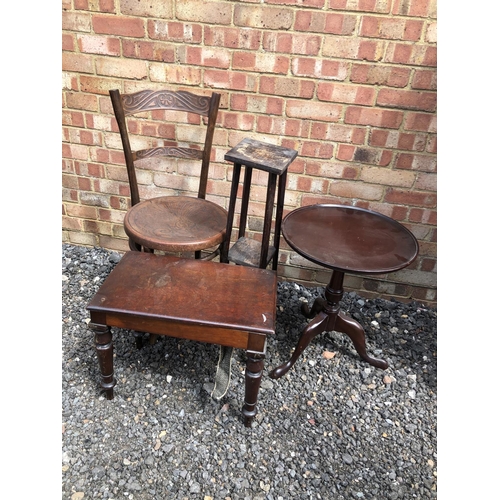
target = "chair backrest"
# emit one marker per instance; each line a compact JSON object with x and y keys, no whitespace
{"x":148,"y":100}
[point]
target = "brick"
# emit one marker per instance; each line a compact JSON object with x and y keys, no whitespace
{"x":93,"y":44}
{"x":68,"y":42}
{"x":257,"y":104}
{"x":240,"y":121}
{"x":282,"y":126}
{"x":286,"y":87}
{"x":321,"y":22}
{"x":412,"y":54}
{"x":338,"y":133}
{"x":145,"y":50}
{"x":414,"y":8}
{"x":432,"y":145}
{"x":73,"y":119}
{"x":391,"y":28}
{"x":208,"y":57}
{"x":397,"y":140}
{"x":313,"y":110}
{"x":70,"y":181}
{"x":230,"y":80}
{"x":262,"y":63}
{"x":373,"y":116}
{"x":75,"y":151}
{"x":422,"y":163}
{"x":263,"y":17}
{"x":68,"y":166}
{"x":121,"y":68}
{"x":97,"y":85}
{"x":146,"y":8}
{"x":118,"y":25}
{"x":412,"y":198}
{"x":346,"y":93}
{"x":320,"y":68}
{"x":426,"y":181}
{"x":326,"y":170}
{"x":364,"y":155}
{"x":423,"y":122}
{"x":354,"y":189}
{"x":388,"y":177}
{"x":107,"y":6}
{"x":89,"y":169}
{"x":234,"y":38}
{"x":424,"y":216}
{"x":302,"y":3}
{"x":175,"y":74}
{"x":316,"y":149}
{"x":431,"y":33}
{"x":204,"y":11}
{"x":80,"y":211}
{"x":312,"y":185}
{"x":379,"y":6}
{"x":297,"y":43}
{"x":78,"y":63}
{"x":407,"y":99}
{"x":397,"y":212}
{"x":173,"y":31}
{"x":72,"y":224}
{"x":76,"y":21}
{"x":353,"y":48}
{"x":424,"y":80}
{"x":371,"y":74}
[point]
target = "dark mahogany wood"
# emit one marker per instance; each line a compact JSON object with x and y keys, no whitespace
{"x":189,"y":224}
{"x":344,"y":239}
{"x":272,"y":159}
{"x":222,"y":304}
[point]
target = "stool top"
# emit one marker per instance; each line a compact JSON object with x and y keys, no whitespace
{"x":349,"y":239}
{"x":189,"y":291}
{"x":257,"y":154}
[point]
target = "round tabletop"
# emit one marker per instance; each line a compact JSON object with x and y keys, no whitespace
{"x":349,"y":239}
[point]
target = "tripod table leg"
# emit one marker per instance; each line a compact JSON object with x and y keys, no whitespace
{"x":355,"y":332}
{"x":316,"y":326}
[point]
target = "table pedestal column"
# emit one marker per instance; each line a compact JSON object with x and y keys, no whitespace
{"x":326,"y":318}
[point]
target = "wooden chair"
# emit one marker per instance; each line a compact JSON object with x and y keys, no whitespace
{"x":177,"y":223}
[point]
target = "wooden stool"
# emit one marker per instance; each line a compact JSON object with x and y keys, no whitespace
{"x":232,"y":306}
{"x":275,"y":160}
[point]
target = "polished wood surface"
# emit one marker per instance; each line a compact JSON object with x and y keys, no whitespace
{"x":160,"y":224}
{"x":350,"y":239}
{"x":192,"y":223}
{"x":224,"y":304}
{"x":344,"y":239}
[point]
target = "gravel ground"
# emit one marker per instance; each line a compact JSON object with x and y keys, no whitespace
{"x":333,"y":427}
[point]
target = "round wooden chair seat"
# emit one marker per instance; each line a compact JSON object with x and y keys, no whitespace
{"x":176,"y":223}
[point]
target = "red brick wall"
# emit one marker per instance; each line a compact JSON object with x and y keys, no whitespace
{"x":349,"y":84}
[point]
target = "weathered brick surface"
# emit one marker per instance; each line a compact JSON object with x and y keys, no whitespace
{"x":350,"y":84}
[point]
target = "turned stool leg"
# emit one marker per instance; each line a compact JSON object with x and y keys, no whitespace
{"x":253,"y":377}
{"x":104,"y":347}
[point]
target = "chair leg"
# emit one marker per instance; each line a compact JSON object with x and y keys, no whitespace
{"x":135,"y":247}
